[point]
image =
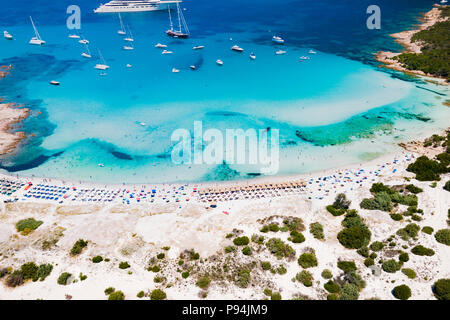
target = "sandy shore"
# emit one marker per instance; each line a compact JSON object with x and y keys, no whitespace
{"x":404,"y":38}
{"x":9,"y":116}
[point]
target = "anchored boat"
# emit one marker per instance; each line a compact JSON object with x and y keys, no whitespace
{"x":181,"y":21}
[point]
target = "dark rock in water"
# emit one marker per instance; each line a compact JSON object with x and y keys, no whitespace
{"x":299,"y":134}
{"x":36,"y":162}
{"x":253,"y":174}
{"x":222,"y":172}
{"x":121,"y":155}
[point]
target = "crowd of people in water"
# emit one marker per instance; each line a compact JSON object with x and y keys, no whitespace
{"x":317,"y":187}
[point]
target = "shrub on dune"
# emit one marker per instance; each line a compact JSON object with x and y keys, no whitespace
{"x":402,"y":292}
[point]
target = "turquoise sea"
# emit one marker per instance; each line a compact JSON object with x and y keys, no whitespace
{"x":335,"y":109}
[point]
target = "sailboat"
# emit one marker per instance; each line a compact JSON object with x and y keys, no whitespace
{"x":130,"y":37}
{"x":87,"y":54}
{"x":178,"y":33}
{"x":7,"y":35}
{"x":122,"y":28}
{"x":37,"y":40}
{"x":103,"y":65}
{"x":130,"y":47}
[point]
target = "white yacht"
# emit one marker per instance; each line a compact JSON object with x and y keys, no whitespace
{"x":219,"y":62}
{"x":7,"y":35}
{"x":280,"y":52}
{"x":166,"y":52}
{"x":129,"y":37}
{"x":181,"y":24}
{"x":87,"y":54}
{"x":135,"y":5}
{"x":159,"y":45}
{"x":103,"y":65}
{"x":237,"y":49}
{"x":122,"y":27}
{"x":37,"y":40}
{"x":83,"y":41}
{"x":312,"y":51}
{"x":198,"y":47}
{"x":278,"y":40}
{"x":174,"y":70}
{"x":252,"y":56}
{"x":74,"y":36}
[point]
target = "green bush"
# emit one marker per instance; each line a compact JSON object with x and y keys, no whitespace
{"x":327,"y":274}
{"x":296,"y":237}
{"x":428,"y":230}
{"x":391,"y":266}
{"x":276,"y":296}
{"x":364,"y":251}
{"x":281,"y":270}
{"x":29,"y":270}
{"x":332,"y":287}
{"x":447,"y":185}
{"x":369,"y":262}
{"x":242,"y":278}
{"x":441,"y":289}
{"x":316,"y":230}
{"x":346,"y":266}
{"x":377,"y":246}
{"x":403,"y":257}
{"x":241,"y":241}
{"x":305,"y":277}
{"x":280,"y":249}
{"x":307,"y":260}
{"x":15,"y":279}
{"x":381,"y":201}
{"x":341,"y":202}
{"x":274,"y":227}
{"x":332,"y":296}
{"x":158,"y":294}
{"x":402,"y":292}
{"x":185,"y":275}
{"x":63,"y":278}
{"x":97,"y":259}
{"x":380,"y":187}
{"x":265,"y":265}
{"x":140,"y":294}
{"x":247,"y":251}
{"x":349,"y":292}
{"x":116,"y":295}
{"x":124,"y":265}
{"x":410,"y":273}
{"x":109,"y":290}
{"x":410,"y":231}
{"x":28,"y":224}
{"x":396,"y":217}
{"x":443,"y":236}
{"x":203,"y":282}
{"x":413,"y":189}
{"x":420,"y":250}
{"x":426,"y":169}
{"x":160,"y":256}
{"x":43,"y":272}
{"x":78,"y":247}
{"x":230,"y":249}
{"x":335,"y":212}
{"x":354,"y":237}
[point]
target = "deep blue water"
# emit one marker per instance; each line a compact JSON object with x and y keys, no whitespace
{"x":326,"y":109}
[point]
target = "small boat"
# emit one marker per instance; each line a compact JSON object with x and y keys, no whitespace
{"x":74,"y":36}
{"x":87,"y":54}
{"x":219,"y":62}
{"x":101,"y":165}
{"x":37,"y":40}
{"x":166,"y":52}
{"x":54,"y":83}
{"x":174,"y":70}
{"x":128,"y":48}
{"x":7,"y":35}
{"x":252,"y":56}
{"x":192,"y":67}
{"x":159,"y":45}
{"x":103,"y":65}
{"x":304,"y":58}
{"x":103,"y":74}
{"x":444,"y":1}
{"x":130,"y":37}
{"x":178,"y":33}
{"x":237,"y":49}
{"x":129,"y":65}
{"x":83,"y":41}
{"x":312,"y":51}
{"x":122,"y":28}
{"x":278,"y":40}
{"x":279,"y":52}
{"x":198,"y":47}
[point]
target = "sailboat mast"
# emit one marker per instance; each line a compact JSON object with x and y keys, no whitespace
{"x":179,"y":18}
{"x":170,"y":18}
{"x":121,"y":23}
{"x":35,"y":30}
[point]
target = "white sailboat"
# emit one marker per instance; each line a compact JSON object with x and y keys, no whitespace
{"x":87,"y":54}
{"x":7,"y":35}
{"x":159,"y":45}
{"x":130,"y":47}
{"x":37,"y":40}
{"x":103,"y":65}
{"x":181,"y":21}
{"x":122,"y":27}
{"x":74,"y":36}
{"x":129,"y":38}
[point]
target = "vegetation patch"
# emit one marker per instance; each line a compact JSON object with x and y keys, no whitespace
{"x":420,"y":250}
{"x":28,"y":225}
{"x":402,"y":292}
{"x":78,"y":247}
{"x":443,"y":236}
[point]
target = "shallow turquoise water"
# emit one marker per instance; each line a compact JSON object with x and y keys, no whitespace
{"x":330,"y":110}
